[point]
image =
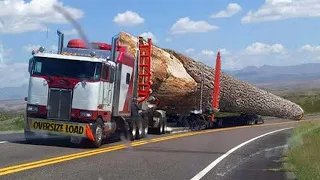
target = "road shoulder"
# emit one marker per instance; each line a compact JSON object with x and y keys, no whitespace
{"x":260,"y":159}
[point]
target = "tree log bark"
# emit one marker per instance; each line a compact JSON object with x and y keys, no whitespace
{"x":176,"y":83}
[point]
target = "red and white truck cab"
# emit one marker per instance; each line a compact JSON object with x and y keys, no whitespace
{"x":87,"y":91}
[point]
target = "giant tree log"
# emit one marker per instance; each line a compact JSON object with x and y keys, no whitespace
{"x":176,"y":82}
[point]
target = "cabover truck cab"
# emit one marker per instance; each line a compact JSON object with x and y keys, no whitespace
{"x":88,"y":91}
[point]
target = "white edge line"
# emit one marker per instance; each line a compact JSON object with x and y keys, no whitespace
{"x":2,"y":142}
{"x":215,"y":162}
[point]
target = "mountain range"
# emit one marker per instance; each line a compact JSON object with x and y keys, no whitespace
{"x":303,"y":76}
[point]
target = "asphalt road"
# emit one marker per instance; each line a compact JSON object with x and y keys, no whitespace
{"x":174,"y":156}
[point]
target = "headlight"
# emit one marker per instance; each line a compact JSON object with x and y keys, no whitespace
{"x":85,"y":114}
{"x":32,"y":108}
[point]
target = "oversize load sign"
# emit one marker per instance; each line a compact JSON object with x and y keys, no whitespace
{"x":58,"y":127}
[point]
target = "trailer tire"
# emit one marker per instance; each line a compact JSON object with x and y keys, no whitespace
{"x":97,"y":131}
{"x":132,"y":130}
{"x":145,"y":128}
{"x":140,"y":129}
{"x":164,"y":126}
{"x":160,"y":127}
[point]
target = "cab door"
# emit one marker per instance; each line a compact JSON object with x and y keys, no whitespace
{"x":108,"y":83}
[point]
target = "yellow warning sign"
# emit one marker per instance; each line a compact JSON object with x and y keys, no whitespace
{"x":57,"y":127}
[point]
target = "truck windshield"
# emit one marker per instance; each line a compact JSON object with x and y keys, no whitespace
{"x":84,"y":70}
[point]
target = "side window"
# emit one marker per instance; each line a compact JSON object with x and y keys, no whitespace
{"x":38,"y":67}
{"x":105,"y":72}
{"x":97,"y":72}
{"x":128,"y":78}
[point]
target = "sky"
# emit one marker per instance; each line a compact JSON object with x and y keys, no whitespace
{"x":246,"y":32}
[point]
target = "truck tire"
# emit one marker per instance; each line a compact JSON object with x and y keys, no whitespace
{"x":132,"y":130}
{"x":145,"y":128}
{"x":164,"y":127}
{"x":140,"y":129}
{"x":160,"y":127}
{"x":97,"y":131}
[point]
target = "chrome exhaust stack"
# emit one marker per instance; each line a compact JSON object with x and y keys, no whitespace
{"x":114,"y":47}
{"x":60,"y":41}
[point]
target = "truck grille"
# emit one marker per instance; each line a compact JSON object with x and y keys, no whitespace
{"x":59,"y":104}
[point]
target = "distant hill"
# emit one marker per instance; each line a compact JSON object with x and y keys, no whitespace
{"x":305,"y":76}
{"x":14,"y":92}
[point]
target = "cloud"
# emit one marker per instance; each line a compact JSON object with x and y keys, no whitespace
{"x":18,"y":16}
{"x":147,"y":35}
{"x":70,"y":32}
{"x":53,"y":48}
{"x":185,"y":25}
{"x":207,"y":53}
{"x":189,"y":50}
{"x":224,"y":51}
{"x":168,"y":40}
{"x":273,"y":10}
{"x":4,"y":53}
{"x":258,"y":48}
{"x":30,"y":47}
{"x":310,"y":48}
{"x":11,"y":74}
{"x":259,"y":54}
{"x":128,"y":18}
{"x":231,"y":10}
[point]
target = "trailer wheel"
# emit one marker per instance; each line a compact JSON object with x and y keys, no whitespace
{"x":160,"y":127}
{"x":132,"y":130}
{"x":97,"y":130}
{"x":140,"y":129}
{"x":145,"y":128}
{"x":164,"y":127}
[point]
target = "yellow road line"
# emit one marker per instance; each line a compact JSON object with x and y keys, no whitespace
{"x":49,"y":161}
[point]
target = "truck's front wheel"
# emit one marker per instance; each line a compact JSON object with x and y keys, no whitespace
{"x":97,"y":131}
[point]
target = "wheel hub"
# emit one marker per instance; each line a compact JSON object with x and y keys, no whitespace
{"x":134,"y":131}
{"x":98,"y":133}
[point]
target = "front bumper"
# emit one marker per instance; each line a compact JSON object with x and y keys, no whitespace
{"x":59,"y":128}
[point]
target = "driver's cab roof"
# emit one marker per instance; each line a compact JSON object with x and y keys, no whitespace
{"x":72,"y":57}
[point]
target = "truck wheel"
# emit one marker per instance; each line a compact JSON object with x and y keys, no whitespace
{"x":140,"y":129}
{"x":160,"y":127}
{"x":145,"y":129}
{"x":164,"y":127}
{"x":97,"y":131}
{"x":132,"y":130}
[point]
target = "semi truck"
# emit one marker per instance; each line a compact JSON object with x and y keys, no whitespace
{"x":91,"y":91}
